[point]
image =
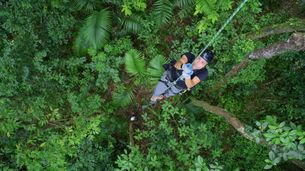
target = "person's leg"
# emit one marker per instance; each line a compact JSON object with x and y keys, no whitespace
{"x":160,"y":89}
{"x":173,"y":91}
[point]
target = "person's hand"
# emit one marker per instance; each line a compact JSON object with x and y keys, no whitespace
{"x":187,"y":67}
{"x":187,"y":71}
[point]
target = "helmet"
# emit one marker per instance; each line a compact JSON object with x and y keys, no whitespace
{"x":207,"y":55}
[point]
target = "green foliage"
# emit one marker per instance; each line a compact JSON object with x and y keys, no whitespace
{"x":254,"y":72}
{"x":91,"y":155}
{"x":211,"y":8}
{"x":89,"y":5}
{"x":155,"y":68}
{"x":170,"y":137}
{"x":8,"y":76}
{"x":106,"y":72}
{"x":240,"y":153}
{"x":132,"y":24}
{"x":241,"y":48}
{"x":184,"y":3}
{"x":84,"y":103}
{"x":122,"y":96}
{"x":48,"y":150}
{"x":135,"y":65}
{"x":287,"y":141}
{"x":232,"y":103}
{"x":65,"y":112}
{"x":286,"y":87}
{"x":94,"y":33}
{"x":162,"y":11}
{"x":138,"y":5}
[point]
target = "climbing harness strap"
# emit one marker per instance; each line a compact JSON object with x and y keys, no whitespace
{"x":169,"y":86}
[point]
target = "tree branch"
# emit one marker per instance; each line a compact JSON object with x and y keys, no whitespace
{"x":231,"y":119}
{"x":295,"y":43}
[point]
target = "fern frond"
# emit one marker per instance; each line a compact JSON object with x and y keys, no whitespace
{"x":163,"y":11}
{"x":94,"y":33}
{"x":133,"y":63}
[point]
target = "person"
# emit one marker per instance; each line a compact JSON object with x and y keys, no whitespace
{"x":188,"y":69}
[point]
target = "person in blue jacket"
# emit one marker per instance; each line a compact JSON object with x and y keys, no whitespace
{"x":192,"y":71}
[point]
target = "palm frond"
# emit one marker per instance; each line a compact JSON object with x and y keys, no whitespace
{"x":155,"y":68}
{"x":94,"y":33}
{"x":162,"y":11}
{"x":132,"y":24}
{"x":133,"y":63}
{"x":122,"y":96}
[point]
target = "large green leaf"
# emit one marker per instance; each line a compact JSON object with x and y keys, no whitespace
{"x":155,"y":69}
{"x":133,"y":63}
{"x":94,"y":33}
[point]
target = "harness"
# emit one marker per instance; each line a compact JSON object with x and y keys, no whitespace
{"x":173,"y":74}
{"x":170,"y":84}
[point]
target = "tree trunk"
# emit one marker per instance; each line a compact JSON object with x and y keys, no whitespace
{"x":295,"y":43}
{"x":130,"y":133}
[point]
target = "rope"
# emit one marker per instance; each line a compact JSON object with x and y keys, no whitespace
{"x":223,"y":26}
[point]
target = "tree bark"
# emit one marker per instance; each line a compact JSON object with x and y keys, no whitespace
{"x":130,"y":133}
{"x":291,"y":26}
{"x":295,"y":43}
{"x":236,"y":123}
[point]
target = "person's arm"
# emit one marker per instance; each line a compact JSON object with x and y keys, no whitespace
{"x":191,"y":82}
{"x":180,"y":62}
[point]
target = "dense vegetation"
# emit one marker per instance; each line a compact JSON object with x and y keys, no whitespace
{"x":72,"y":72}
